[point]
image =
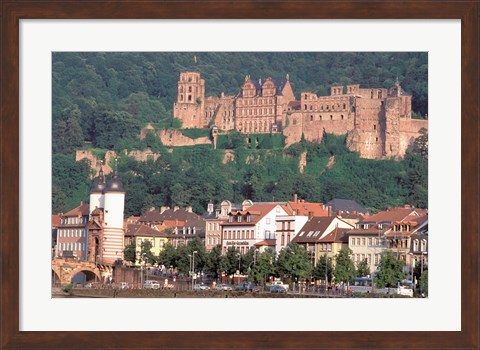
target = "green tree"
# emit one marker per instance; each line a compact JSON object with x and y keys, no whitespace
{"x":344,"y":270}
{"x":264,"y":266}
{"x":168,"y":256}
{"x":293,"y":262}
{"x":232,"y":260}
{"x":424,"y":282}
{"x":324,"y":268}
{"x":67,"y":133}
{"x":129,"y":253}
{"x":146,"y":252}
{"x":363,"y":268}
{"x":216,"y":262}
{"x":390,"y":271}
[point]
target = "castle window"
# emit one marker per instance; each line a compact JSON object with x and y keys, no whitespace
{"x":321,"y":107}
{"x":331,"y":117}
{"x":333,"y":107}
{"x":376,"y":139}
{"x":341,"y":116}
{"x":374,"y":127}
{"x":379,"y":93}
{"x":311,"y":118}
{"x":189,"y":89}
{"x":305,"y":107}
{"x":294,"y":122}
{"x":306,"y":96}
{"x":311,"y":107}
{"x":320,"y":117}
{"x":344,"y":106}
{"x":189,"y":98}
{"x":371,"y":94}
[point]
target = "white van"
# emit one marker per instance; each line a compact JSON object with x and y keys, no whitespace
{"x":150,"y":284}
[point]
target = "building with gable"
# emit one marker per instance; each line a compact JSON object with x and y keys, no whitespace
{"x":311,"y":234}
{"x":252,"y":227}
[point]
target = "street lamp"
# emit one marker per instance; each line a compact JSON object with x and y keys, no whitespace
{"x":193,"y":266}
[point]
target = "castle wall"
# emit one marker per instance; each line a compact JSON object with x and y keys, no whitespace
{"x":368,"y":138}
{"x":176,"y":138}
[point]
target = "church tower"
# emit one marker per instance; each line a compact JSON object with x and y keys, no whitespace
{"x":190,"y":104}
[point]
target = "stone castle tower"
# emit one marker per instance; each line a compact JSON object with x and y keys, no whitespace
{"x":190,"y":104}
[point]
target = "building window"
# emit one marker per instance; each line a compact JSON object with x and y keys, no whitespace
{"x":268,"y":221}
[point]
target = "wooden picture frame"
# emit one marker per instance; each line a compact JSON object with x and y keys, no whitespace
{"x":13,"y":11}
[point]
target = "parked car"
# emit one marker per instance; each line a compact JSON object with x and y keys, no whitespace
{"x":223,"y":286}
{"x":276,"y":288}
{"x":280,"y":283}
{"x":123,"y":285}
{"x":201,"y":286}
{"x":247,"y":287}
{"x":150,"y":284}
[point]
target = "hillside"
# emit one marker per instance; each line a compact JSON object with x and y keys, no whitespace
{"x":198,"y":174}
{"x":102,"y":100}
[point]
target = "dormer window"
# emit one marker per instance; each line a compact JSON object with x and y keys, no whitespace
{"x":239,"y":219}
{"x":230,"y":219}
{"x":249,"y":218}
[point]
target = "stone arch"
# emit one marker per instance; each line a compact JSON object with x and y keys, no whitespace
{"x":90,"y":276}
{"x":56,"y":280}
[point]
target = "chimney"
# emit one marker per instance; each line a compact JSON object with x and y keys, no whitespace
{"x":175,"y":208}
{"x":163,"y":209}
{"x":295,"y":198}
{"x":189,"y":208}
{"x":310,"y":215}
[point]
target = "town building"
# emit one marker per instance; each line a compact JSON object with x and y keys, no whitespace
{"x":181,"y":225}
{"x":311,"y":234}
{"x":138,"y":233}
{"x":72,"y":233}
{"x":377,"y":121}
{"x":376,"y":234}
{"x":252,"y":227}
{"x":213,"y":218}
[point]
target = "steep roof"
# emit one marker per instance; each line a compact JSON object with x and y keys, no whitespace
{"x":346,"y":205}
{"x":395,"y":214}
{"x":81,"y":210}
{"x":313,"y":229}
{"x":257,"y":212}
{"x":338,"y":235}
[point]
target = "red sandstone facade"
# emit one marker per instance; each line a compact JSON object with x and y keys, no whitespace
{"x":377,"y":121}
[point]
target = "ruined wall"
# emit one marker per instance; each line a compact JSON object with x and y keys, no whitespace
{"x":224,"y":116}
{"x":143,"y":156}
{"x":409,"y":131}
{"x":95,"y":163}
{"x":367,"y":138}
{"x":293,"y":131}
{"x":176,"y":138}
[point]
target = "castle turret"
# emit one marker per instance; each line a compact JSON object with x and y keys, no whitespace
{"x":97,"y":198}
{"x":190,"y":104}
{"x":113,"y":234}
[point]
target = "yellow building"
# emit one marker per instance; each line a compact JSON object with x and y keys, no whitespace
{"x":137,"y":233}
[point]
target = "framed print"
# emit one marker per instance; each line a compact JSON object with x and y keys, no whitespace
{"x":37,"y":37}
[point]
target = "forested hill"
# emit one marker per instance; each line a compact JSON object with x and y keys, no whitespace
{"x":136,"y":88}
{"x":102,"y":100}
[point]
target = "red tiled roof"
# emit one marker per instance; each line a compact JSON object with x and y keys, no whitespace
{"x":55,"y":220}
{"x":81,"y":210}
{"x":267,"y":242}
{"x":258,"y":211}
{"x":305,"y":208}
{"x":395,"y":214}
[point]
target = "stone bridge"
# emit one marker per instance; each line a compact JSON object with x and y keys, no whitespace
{"x":63,"y":270}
